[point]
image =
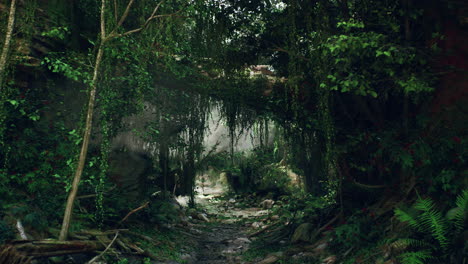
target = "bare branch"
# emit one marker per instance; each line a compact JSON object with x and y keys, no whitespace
{"x":125,"y":14}
{"x":134,"y":211}
{"x":130,"y":32}
{"x":103,"y":24}
{"x":146,"y":24}
{"x":105,"y":250}
{"x":156,"y":9}
{"x":116,"y":11}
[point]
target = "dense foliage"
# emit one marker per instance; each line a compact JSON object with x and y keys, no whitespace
{"x":360,"y":98}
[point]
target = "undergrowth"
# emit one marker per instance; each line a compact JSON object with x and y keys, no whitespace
{"x":436,"y":236}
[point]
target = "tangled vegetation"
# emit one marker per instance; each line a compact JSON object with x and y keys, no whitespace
{"x":356,"y":111}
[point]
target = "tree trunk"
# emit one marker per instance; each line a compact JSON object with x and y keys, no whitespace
{"x":92,"y":98}
{"x":6,"y":45}
{"x":87,"y":132}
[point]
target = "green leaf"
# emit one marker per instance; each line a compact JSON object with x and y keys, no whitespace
{"x":34,"y":117}
{"x":13,"y":102}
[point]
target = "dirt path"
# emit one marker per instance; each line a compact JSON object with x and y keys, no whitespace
{"x":221,"y":244}
{"x":225,"y":237}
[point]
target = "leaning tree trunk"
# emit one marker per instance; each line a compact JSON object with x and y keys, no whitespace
{"x":6,"y":45}
{"x":104,"y":38}
{"x":87,"y":132}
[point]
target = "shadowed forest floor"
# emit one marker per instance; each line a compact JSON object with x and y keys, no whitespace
{"x":224,"y":237}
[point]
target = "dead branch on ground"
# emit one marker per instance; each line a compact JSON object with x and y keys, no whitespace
{"x":134,"y":211}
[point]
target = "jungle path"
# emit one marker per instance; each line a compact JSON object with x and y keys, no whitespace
{"x":225,"y":236}
{"x":221,"y":244}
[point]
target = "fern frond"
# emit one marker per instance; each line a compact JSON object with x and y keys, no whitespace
{"x":432,"y":220}
{"x":424,"y":205}
{"x":406,"y":217}
{"x":402,"y":244}
{"x":416,"y":257}
{"x":462,"y":200}
{"x":462,"y":210}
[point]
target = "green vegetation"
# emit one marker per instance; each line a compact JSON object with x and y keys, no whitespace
{"x":437,"y":237}
{"x":349,"y":115}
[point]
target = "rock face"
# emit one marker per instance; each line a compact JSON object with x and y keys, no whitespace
{"x":302,"y":233}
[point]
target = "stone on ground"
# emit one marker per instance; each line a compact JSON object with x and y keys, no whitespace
{"x":269,"y":259}
{"x":302,"y":233}
{"x":267,"y":204}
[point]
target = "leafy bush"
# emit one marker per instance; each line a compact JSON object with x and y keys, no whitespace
{"x":300,"y":207}
{"x":6,"y":232}
{"x":359,"y":230}
{"x":274,"y":178}
{"x":251,"y":172}
{"x":162,"y":212}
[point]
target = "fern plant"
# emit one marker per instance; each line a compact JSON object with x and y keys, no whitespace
{"x":424,"y":218}
{"x":416,"y":257}
{"x":459,"y":214}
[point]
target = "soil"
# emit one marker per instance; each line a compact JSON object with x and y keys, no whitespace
{"x":221,"y":244}
{"x":224,"y":238}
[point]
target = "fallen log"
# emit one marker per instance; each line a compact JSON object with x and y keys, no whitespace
{"x":49,"y":248}
{"x":23,"y":251}
{"x":96,"y":233}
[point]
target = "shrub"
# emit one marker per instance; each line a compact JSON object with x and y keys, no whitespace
{"x":6,"y":232}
